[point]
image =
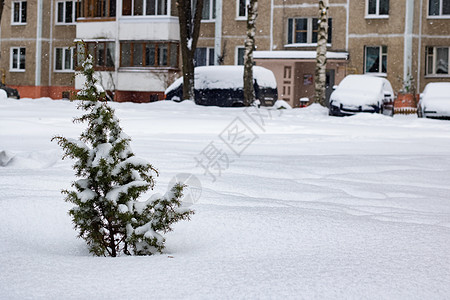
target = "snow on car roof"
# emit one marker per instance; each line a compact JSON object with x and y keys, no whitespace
{"x":362,"y":83}
{"x":219,"y":77}
{"x":438,"y":89}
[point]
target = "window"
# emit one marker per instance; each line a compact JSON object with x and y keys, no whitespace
{"x":437,"y":60}
{"x":240,"y":51}
{"x":64,"y":59}
{"x":375,"y":59}
{"x":439,"y":8}
{"x":304,"y":30}
{"x":17,"y":59}
{"x":377,"y":7}
{"x":204,"y":57}
{"x":66,"y":12}
{"x":97,"y":8}
{"x":19,"y":12}
{"x":149,"y":54}
{"x":242,"y":8}
{"x":102,"y":53}
{"x":209,"y":10}
{"x":144,"y":8}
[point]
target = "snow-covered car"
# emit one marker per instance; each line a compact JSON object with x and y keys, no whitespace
{"x":11,"y":92}
{"x":435,"y":101}
{"x":362,"y":93}
{"x":224,"y":86}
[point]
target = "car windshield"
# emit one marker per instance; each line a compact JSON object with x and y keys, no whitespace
{"x":367,"y":84}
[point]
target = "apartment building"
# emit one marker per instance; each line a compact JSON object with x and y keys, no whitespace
{"x":407,"y":41}
{"x":36,"y":54}
{"x":135,"y":46}
{"x":135,"y":43}
{"x":292,"y":51}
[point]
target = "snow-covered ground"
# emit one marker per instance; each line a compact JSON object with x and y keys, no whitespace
{"x":295,"y":204}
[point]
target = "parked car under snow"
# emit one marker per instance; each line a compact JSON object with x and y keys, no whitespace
{"x":362,"y":93}
{"x":223,"y":86}
{"x":10,"y":92}
{"x":435,"y":101}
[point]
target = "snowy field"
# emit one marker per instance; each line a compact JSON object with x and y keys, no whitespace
{"x":294,"y":204}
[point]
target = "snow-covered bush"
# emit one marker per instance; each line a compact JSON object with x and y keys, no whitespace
{"x":107,"y":211}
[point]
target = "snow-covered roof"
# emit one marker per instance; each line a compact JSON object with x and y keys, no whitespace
{"x":297,"y":55}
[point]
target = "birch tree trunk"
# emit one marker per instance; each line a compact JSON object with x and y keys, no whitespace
{"x":321,"y":58}
{"x":2,"y":4}
{"x":249,"y":90}
{"x":189,"y":22}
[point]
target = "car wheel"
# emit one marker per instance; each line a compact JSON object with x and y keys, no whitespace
{"x":419,"y":112}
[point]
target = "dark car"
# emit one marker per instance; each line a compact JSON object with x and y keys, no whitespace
{"x":362,"y":93}
{"x":12,"y":93}
{"x":223,"y":86}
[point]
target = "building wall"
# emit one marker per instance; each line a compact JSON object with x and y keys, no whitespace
{"x":295,"y":78}
{"x":427,"y":31}
{"x":234,"y":30}
{"x":283,"y":10}
{"x":301,"y":83}
{"x":435,"y":32}
{"x":369,"y":31}
{"x":32,"y":83}
{"x":271,"y":35}
{"x":61,"y":36}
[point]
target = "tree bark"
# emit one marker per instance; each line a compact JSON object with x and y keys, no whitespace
{"x":321,"y":58}
{"x":2,"y":4}
{"x":189,"y":22}
{"x":249,"y":90}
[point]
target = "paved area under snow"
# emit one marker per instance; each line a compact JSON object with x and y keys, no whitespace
{"x":300,"y":205}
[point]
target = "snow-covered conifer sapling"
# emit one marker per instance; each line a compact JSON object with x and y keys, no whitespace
{"x":108,"y":213}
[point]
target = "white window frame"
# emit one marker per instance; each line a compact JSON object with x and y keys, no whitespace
{"x":239,"y":17}
{"x":64,"y":12}
{"x":208,"y":56}
{"x":20,"y":22}
{"x":381,"y":54}
{"x":377,"y":14}
{"x":63,"y":58}
{"x":434,"y":57}
{"x":11,"y":60}
{"x":236,"y":56}
{"x":440,"y":15}
{"x":144,"y":9}
{"x":309,"y":33}
{"x":212,"y":17}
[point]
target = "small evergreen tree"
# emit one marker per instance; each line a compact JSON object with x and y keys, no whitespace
{"x":107,"y":212}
